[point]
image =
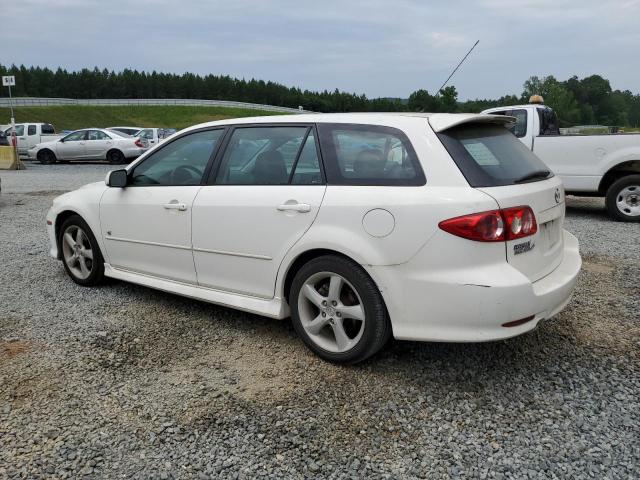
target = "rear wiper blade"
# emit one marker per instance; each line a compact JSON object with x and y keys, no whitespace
{"x":533,"y":175}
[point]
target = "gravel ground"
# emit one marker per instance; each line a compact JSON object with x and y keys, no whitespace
{"x":124,"y":381}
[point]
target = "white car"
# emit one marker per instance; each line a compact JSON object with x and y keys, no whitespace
{"x":89,"y":144}
{"x":131,"y":131}
{"x":358,"y":226}
{"x":153,"y":136}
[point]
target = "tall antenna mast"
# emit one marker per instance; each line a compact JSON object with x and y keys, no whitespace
{"x":456,"y":69}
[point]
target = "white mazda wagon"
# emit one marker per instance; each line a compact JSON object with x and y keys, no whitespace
{"x":359,"y":227}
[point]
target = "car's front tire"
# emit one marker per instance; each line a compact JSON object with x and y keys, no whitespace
{"x":80,"y":252}
{"x":46,"y":157}
{"x":623,"y":199}
{"x":338,"y":311}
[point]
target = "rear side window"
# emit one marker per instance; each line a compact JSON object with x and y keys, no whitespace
{"x":548,"y":121}
{"x":489,"y":156}
{"x":270,"y":156}
{"x":47,"y":129}
{"x":31,"y":130}
{"x":368,"y":155}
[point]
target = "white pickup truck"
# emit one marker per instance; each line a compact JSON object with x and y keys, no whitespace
{"x":28,"y":135}
{"x":606,"y":165}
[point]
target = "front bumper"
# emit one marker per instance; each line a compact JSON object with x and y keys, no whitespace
{"x":428,"y":306}
{"x":51,"y":233}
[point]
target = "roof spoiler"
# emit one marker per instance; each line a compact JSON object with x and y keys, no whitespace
{"x":444,"y":121}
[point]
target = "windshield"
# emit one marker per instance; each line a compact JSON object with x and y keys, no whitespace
{"x":490,"y":156}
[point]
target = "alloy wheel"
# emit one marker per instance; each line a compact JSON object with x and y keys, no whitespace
{"x":331,"y":312}
{"x":77,"y":252}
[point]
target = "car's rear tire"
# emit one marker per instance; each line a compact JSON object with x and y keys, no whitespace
{"x":338,"y":311}
{"x":623,"y":199}
{"x":115,"y":157}
{"x":80,"y":252}
{"x":46,"y":157}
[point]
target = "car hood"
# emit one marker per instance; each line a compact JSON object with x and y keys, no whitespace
{"x":67,"y":197}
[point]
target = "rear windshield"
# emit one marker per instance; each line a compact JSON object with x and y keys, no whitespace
{"x":490,"y":156}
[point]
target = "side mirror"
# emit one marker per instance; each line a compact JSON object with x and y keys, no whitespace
{"x":117,"y":178}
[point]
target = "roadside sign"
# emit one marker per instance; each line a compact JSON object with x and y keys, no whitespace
{"x":8,"y":81}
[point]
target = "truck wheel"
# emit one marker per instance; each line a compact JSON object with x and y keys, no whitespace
{"x":623,"y":199}
{"x":46,"y":157}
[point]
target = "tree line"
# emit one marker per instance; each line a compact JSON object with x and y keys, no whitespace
{"x":586,"y":101}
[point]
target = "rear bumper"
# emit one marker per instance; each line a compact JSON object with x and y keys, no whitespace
{"x":133,"y":152}
{"x":457,"y":307}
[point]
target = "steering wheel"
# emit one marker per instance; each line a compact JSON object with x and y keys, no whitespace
{"x":185,"y":174}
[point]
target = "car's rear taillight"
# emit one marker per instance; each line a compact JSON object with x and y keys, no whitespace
{"x":139,"y":143}
{"x":494,"y":225}
{"x":521,"y":222}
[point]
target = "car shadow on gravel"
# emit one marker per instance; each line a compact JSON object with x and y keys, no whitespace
{"x":593,"y":208}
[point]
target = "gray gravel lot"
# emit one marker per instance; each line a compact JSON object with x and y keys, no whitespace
{"x":124,"y":381}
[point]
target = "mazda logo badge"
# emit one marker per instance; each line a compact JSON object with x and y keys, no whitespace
{"x":557,"y":195}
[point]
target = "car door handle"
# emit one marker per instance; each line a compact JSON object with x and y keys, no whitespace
{"x":175,"y":206}
{"x":295,"y":207}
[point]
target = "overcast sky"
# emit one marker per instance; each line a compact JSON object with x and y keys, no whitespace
{"x":377,"y":47}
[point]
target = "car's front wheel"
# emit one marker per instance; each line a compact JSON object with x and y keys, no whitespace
{"x":46,"y":157}
{"x":338,"y":310}
{"x":81,"y":254}
{"x":623,"y":199}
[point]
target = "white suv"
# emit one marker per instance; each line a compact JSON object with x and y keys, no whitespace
{"x":358,"y":226}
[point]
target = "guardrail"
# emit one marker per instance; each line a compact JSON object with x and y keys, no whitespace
{"x":39,"y":102}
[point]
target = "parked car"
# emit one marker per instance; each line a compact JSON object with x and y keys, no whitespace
{"x":89,"y":144}
{"x":153,"y":136}
{"x":131,"y":131}
{"x":435,"y":228}
{"x":604,"y":165}
{"x":29,"y":135}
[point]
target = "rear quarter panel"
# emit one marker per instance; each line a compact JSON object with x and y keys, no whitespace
{"x":416,"y":210}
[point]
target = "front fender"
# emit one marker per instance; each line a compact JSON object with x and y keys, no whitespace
{"x":84,"y":202}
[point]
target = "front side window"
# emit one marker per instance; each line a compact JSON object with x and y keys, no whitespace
{"x":519,"y":129}
{"x":270,"y":156}
{"x":19,"y":130}
{"x":181,"y":162}
{"x":97,"y":135}
{"x":31,"y":130}
{"x":75,"y":136}
{"x":368,"y":155}
{"x":489,"y":156}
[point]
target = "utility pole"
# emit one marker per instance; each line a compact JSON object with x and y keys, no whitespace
{"x":8,"y":81}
